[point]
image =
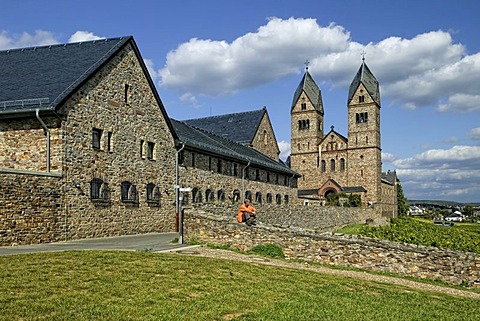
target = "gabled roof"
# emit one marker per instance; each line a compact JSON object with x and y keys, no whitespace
{"x":366,"y":77}
{"x":311,"y":90}
{"x":42,"y":77}
{"x":45,"y":77}
{"x":239,"y":127}
{"x":199,"y":139}
{"x":332,"y":131}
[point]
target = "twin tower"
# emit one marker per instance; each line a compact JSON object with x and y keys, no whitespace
{"x":330,"y":162}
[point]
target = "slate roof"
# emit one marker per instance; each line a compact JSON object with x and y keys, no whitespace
{"x":43,"y":77}
{"x":311,"y":90}
{"x":239,"y":127}
{"x":199,"y":139}
{"x":366,"y":77}
{"x":389,"y":177}
{"x":353,"y":189}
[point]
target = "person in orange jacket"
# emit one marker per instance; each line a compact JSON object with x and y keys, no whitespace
{"x":247,"y":213}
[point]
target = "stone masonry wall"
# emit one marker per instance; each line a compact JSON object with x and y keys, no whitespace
{"x":31,"y":208}
{"x":119,"y":101}
{"x":365,"y":253}
{"x":313,"y":218}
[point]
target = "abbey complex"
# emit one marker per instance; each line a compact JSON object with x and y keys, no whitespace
{"x":87,"y":148}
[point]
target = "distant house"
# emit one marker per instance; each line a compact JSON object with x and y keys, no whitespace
{"x":415,"y":210}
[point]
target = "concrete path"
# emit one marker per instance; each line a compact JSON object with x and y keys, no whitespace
{"x":155,"y":242}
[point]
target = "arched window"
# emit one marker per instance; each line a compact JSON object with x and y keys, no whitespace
{"x":236,"y":196}
{"x":258,"y":197}
{"x":269,"y":198}
{"x":248,"y":195}
{"x":324,"y":166}
{"x":286,"y":199}
{"x":209,"y":196}
{"x":265,"y":138}
{"x":221,"y":195}
{"x":307,"y":125}
{"x":196,"y":195}
{"x":304,"y":106}
{"x":332,"y":165}
{"x":342,"y":164}
{"x":278,"y":199}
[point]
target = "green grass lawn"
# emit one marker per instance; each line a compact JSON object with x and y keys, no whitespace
{"x":149,"y":286}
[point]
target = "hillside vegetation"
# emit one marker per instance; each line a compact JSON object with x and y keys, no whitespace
{"x":462,"y":237}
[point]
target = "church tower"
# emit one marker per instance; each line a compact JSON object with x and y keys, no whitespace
{"x":306,"y":128}
{"x":364,"y":146}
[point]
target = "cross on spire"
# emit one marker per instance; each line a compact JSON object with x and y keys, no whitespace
{"x":363,"y":55}
{"x":306,"y":63}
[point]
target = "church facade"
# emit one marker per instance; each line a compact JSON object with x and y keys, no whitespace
{"x":331,"y":163}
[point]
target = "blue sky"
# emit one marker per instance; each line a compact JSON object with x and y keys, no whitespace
{"x":217,"y":57}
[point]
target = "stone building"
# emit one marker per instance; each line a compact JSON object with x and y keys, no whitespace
{"x":230,"y":157}
{"x":250,"y":128}
{"x":86,"y":147}
{"x":332,"y":163}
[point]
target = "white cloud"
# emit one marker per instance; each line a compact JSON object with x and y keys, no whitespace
{"x":474,"y":133}
{"x":39,"y":38}
{"x":426,"y":70}
{"x":151,"y":69}
{"x":189,"y":99}
{"x":80,"y":36}
{"x":275,"y":50}
{"x":284,"y":149}
{"x":387,"y":157}
{"x":442,"y":173}
{"x":461,"y":103}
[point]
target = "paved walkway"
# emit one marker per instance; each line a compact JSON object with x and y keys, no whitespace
{"x":155,"y":242}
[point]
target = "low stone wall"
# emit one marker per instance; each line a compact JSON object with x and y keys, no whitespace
{"x":365,"y":253}
{"x":31,"y":209}
{"x":313,"y":218}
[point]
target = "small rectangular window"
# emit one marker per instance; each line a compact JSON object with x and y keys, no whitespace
{"x":219,"y":166}
{"x":96,"y":137}
{"x":142,"y":142}
{"x":109,"y":141}
{"x":193,"y":159}
{"x":235,"y":169}
{"x":150,"y":150}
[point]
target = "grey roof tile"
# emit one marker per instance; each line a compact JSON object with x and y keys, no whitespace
{"x":239,"y":127}
{"x":365,"y":76}
{"x":200,"y":139}
{"x":311,"y":90}
{"x":42,"y":77}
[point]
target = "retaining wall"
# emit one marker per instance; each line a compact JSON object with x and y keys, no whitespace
{"x":350,"y":251}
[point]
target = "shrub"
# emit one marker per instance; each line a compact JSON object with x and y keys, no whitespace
{"x":270,"y":250}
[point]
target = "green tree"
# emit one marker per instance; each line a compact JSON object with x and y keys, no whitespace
{"x":468,"y":210}
{"x":401,"y":200}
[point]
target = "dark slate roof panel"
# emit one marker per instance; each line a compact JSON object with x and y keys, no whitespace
{"x":311,"y":90}
{"x":365,"y":76}
{"x":200,"y":139}
{"x":389,"y":177}
{"x":42,"y":77}
{"x":239,"y":127}
{"x":353,"y":189}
